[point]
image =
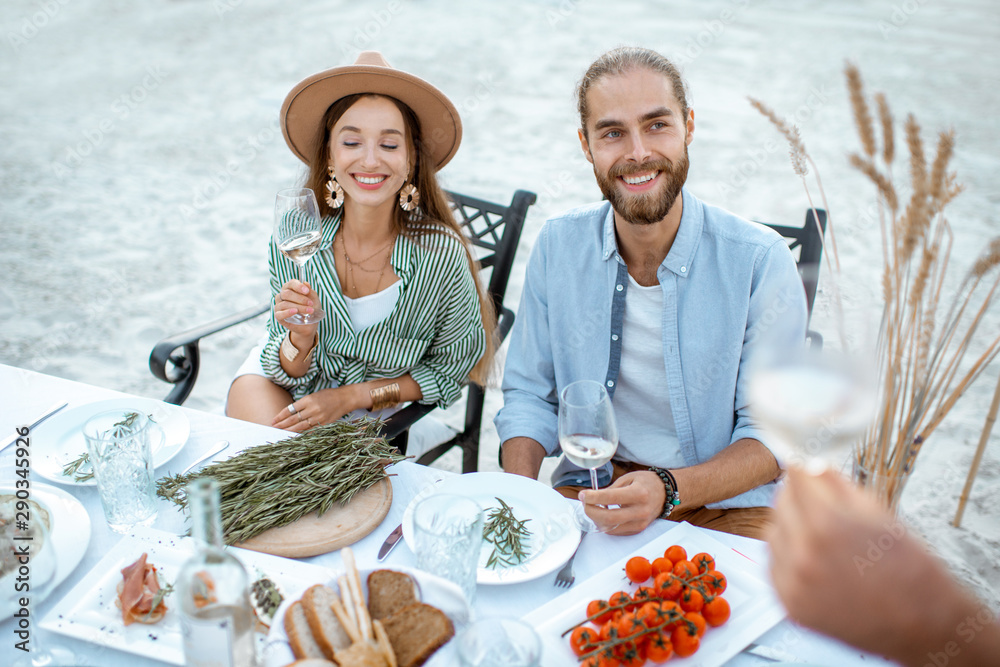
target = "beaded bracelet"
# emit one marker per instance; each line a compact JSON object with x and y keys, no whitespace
{"x":673,"y":498}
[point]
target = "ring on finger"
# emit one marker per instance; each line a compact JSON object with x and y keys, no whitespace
{"x":292,"y":409}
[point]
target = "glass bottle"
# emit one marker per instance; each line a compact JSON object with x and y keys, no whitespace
{"x":217,"y":620}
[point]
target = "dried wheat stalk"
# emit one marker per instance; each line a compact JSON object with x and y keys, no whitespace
{"x":920,"y":353}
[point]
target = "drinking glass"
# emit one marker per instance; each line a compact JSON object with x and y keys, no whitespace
{"x":499,"y":642}
{"x":120,"y":446}
{"x":297,"y":232}
{"x":448,"y":531}
{"x":41,"y":578}
{"x":588,"y":433}
{"x":815,"y":404}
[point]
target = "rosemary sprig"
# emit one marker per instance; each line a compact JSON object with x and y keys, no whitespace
{"x":73,"y":468}
{"x":507,"y":534}
{"x":158,"y":598}
{"x":119,"y":429}
{"x":276,"y":483}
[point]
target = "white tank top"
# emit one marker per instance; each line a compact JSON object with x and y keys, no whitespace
{"x":372,"y":309}
{"x":646,"y":431}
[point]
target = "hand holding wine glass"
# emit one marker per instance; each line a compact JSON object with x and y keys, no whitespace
{"x":588,"y":433}
{"x":297,"y":233}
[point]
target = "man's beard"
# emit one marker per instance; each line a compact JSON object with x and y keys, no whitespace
{"x":651,"y":207}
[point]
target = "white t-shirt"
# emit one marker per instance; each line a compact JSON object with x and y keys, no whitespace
{"x":646,"y":430}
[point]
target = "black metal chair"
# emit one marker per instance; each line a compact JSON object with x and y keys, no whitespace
{"x":808,"y":240}
{"x":493,"y":229}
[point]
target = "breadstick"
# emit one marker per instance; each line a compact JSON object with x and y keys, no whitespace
{"x":348,"y":599}
{"x":345,"y":620}
{"x":354,"y":579}
{"x":383,"y":643}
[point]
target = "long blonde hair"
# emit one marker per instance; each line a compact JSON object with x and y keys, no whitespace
{"x":434,"y":208}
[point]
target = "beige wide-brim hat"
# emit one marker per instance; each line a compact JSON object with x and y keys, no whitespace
{"x":304,"y":108}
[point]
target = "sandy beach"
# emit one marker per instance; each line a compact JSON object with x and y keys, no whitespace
{"x":141,"y":154}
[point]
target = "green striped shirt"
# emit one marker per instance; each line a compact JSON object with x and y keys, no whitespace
{"x":435,"y":333}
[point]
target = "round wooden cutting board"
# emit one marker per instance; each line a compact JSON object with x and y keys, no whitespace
{"x":340,"y":526}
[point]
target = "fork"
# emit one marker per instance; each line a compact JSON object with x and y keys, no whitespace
{"x":565,"y":577}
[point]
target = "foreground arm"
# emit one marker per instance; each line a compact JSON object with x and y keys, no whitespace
{"x":845,"y":566}
{"x":743,"y":465}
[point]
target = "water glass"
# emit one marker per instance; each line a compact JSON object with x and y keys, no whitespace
{"x":499,"y":642}
{"x":120,"y":445}
{"x":448,"y":531}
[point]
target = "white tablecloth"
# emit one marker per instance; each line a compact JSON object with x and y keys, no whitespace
{"x":24,"y":394}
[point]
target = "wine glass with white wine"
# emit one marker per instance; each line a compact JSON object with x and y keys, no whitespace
{"x":297,"y":233}
{"x":588,"y":432}
{"x":814,"y":404}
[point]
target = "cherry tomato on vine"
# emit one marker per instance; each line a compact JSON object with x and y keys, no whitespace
{"x":716,"y":611}
{"x":638,"y":569}
{"x":675,"y":553}
{"x":685,"y":642}
{"x":704,"y":562}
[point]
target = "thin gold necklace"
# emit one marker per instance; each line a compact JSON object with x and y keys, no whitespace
{"x":350,"y":268}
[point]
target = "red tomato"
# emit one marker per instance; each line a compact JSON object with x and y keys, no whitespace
{"x":675,"y":553}
{"x":685,"y":641}
{"x":659,"y":648}
{"x":661,"y":565}
{"x":716,"y":611}
{"x":692,"y":599}
{"x":685,"y":569}
{"x":595,"y":607}
{"x":638,"y":569}
{"x":583,"y":639}
{"x":667,"y":586}
{"x":698,"y":620}
{"x":715,"y":582}
{"x":704,"y":562}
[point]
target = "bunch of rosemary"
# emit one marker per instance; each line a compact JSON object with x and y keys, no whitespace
{"x":276,"y":483}
{"x":508,"y":536}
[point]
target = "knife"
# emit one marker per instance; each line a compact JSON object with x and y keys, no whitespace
{"x":45,"y":415}
{"x":390,"y":542}
{"x":218,"y":447}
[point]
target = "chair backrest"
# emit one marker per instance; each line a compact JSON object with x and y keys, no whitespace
{"x":808,"y":241}
{"x":494,"y":230}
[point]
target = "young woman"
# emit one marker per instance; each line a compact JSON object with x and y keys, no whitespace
{"x":406,"y":318}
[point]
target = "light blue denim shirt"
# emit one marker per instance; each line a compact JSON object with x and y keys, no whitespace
{"x":728,"y":285}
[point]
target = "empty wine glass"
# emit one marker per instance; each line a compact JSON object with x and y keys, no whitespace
{"x":40,"y":577}
{"x":588,"y":433}
{"x":297,"y":233}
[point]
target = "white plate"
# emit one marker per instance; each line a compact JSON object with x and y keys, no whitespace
{"x":755,"y":609}
{"x":69,"y":530}
{"x":88,"y":611}
{"x":431,"y":590}
{"x":554,"y":533}
{"x":59,"y":440}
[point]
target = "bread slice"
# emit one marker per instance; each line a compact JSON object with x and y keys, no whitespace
{"x":299,"y":636}
{"x":326,"y":628}
{"x":389,"y":591}
{"x":416,"y":631}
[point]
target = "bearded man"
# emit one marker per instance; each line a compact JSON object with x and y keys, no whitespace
{"x":664,"y":300}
